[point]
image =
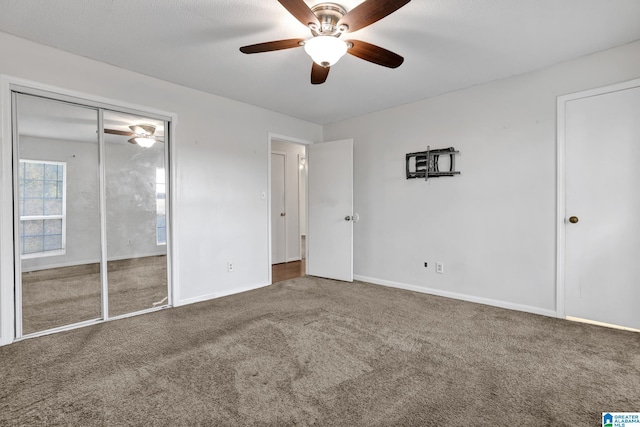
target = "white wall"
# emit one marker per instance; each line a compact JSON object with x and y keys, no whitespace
{"x":292,"y":195}
{"x":130,"y":198}
{"x":221,"y":159}
{"x":494,"y":225}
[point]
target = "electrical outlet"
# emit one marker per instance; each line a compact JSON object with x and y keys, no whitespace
{"x":229,"y":266}
{"x":440,"y":267}
{"x":425,"y":264}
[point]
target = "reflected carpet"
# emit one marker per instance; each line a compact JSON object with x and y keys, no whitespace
{"x":66,"y":295}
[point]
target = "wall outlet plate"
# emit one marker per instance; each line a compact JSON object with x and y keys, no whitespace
{"x":440,"y":267}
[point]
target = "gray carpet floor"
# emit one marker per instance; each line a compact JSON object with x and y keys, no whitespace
{"x":315,"y":352}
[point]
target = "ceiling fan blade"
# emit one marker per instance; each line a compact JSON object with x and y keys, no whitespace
{"x":271,"y":46}
{"x":319,"y":74}
{"x":142,"y":129}
{"x":300,"y":10}
{"x":376,"y":54}
{"x":370,"y":11}
{"x":118,"y":132}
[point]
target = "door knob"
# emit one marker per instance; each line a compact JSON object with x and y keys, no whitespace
{"x":573,"y":219}
{"x":347,"y":218}
{"x":282,"y":214}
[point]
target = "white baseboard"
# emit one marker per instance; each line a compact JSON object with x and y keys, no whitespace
{"x":606,"y":325}
{"x":215,"y":295}
{"x":463,"y":297}
{"x":296,"y":258}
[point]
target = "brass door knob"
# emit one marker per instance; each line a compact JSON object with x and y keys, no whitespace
{"x":573,"y":219}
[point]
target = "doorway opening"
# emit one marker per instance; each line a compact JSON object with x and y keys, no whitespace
{"x":288,"y":203}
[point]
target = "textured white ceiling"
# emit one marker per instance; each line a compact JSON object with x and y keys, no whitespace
{"x":447,"y":45}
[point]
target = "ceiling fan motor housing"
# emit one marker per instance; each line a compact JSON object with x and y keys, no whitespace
{"x":328,"y":14}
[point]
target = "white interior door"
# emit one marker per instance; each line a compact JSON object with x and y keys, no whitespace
{"x":602,"y":261}
{"x":278,"y":212}
{"x":330,"y":198}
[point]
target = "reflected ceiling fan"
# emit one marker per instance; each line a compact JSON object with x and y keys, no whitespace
{"x":327,"y":22}
{"x":142,"y":135}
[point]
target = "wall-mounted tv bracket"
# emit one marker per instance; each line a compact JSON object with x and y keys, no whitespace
{"x":425,"y":163}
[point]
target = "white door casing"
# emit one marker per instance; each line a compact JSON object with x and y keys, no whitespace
{"x":278,"y":204}
{"x":599,"y":148}
{"x":330,"y":210}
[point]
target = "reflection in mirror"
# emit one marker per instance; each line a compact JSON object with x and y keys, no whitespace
{"x":135,"y":212}
{"x":59,"y":213}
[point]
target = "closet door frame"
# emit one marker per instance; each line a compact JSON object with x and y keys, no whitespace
{"x":10,"y":267}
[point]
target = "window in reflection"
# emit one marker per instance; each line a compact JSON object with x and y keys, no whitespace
{"x":161,"y":197}
{"x":42,"y":208}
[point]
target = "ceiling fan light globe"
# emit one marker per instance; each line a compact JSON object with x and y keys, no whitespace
{"x":145,"y":142}
{"x":325,"y":50}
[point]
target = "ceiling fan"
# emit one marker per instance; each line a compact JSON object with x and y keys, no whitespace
{"x":143,"y":135}
{"x":327,"y":22}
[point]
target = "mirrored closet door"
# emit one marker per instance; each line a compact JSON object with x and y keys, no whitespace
{"x":90,"y":213}
{"x":59,"y":213}
{"x":135,"y":187}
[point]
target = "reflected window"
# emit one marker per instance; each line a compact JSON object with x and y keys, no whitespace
{"x":42,"y":187}
{"x":161,"y":217}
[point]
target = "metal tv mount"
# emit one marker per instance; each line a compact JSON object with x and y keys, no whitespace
{"x":425,"y":163}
